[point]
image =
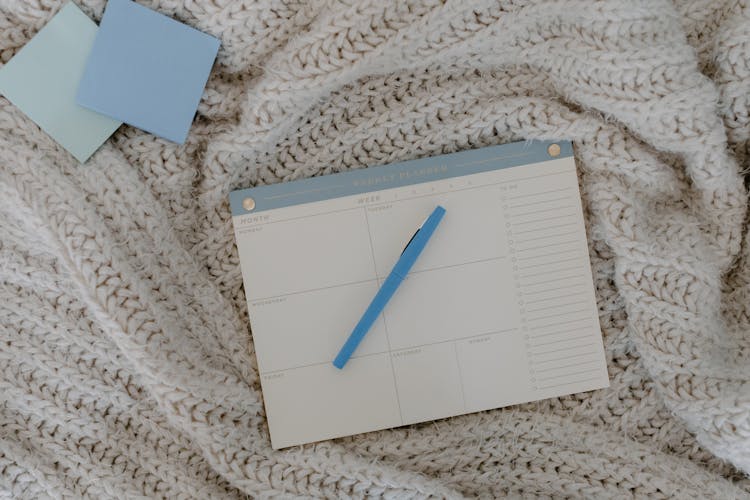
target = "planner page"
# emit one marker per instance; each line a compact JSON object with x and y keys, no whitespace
{"x":499,"y":309}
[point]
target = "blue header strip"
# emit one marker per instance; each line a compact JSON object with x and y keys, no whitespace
{"x":405,"y":173}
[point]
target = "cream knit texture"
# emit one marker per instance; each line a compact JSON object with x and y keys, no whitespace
{"x":126,"y":356}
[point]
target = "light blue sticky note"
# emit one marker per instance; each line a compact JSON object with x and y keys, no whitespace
{"x":147,"y":70}
{"x":41,"y":80}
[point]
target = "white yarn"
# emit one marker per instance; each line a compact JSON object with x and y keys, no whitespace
{"x":126,"y":359}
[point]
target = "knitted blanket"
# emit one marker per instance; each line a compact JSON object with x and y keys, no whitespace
{"x":126,"y":356}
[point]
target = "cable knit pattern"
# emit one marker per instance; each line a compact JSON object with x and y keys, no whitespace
{"x":126,"y":356}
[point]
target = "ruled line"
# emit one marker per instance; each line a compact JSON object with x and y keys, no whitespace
{"x":549,"y":263}
{"x":562,"y":322}
{"x":319,"y":363}
{"x":457,"y":339}
{"x":539,"y":193}
{"x":245,"y":228}
{"x":555,"y":297}
{"x":460,"y":375}
{"x":573,"y":356}
{"x":568,"y":374}
{"x":567,"y":366}
{"x":548,"y":254}
{"x":558,"y":332}
{"x":382,"y":315}
{"x":550,"y":271}
{"x":253,"y":301}
{"x":569,"y":233}
{"x":389,"y":351}
{"x":539,"y":202}
{"x":544,"y":228}
{"x":562,"y":340}
{"x":549,"y":245}
{"x":555,"y":307}
{"x":552,"y":281}
{"x":544,"y":210}
{"x":572,"y":382}
{"x":542,"y":220}
{"x":558,"y":314}
{"x":553,"y":289}
{"x":460,"y":264}
{"x":560,"y":350}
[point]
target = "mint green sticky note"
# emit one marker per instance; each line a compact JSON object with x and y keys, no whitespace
{"x":42,"y":80}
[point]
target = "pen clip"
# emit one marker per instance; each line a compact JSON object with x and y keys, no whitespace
{"x":413,"y":235}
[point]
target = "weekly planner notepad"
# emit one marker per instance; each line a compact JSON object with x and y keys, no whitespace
{"x":498,"y":310}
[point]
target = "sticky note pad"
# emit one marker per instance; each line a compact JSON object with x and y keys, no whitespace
{"x":147,"y":70}
{"x":43,"y":77}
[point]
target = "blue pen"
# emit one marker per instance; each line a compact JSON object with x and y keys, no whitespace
{"x":408,"y":257}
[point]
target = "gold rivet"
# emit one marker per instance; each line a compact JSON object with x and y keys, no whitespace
{"x":248,"y":204}
{"x":554,"y":150}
